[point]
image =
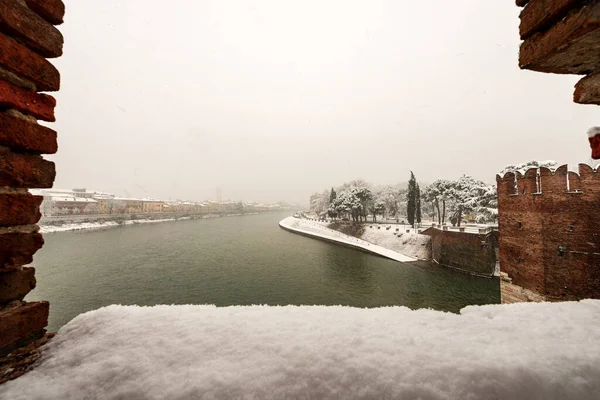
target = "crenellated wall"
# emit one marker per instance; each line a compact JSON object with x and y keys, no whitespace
{"x":550,"y":231}
{"x":28,"y":37}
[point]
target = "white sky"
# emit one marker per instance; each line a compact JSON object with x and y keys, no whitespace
{"x":273,"y":100}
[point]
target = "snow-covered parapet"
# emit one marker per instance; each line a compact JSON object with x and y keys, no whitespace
{"x":526,"y":166}
{"x":518,"y":351}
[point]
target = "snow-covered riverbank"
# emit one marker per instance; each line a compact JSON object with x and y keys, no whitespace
{"x":84,"y":222}
{"x":516,"y":351}
{"x":101,"y":224}
{"x":319,"y":230}
{"x":392,"y":237}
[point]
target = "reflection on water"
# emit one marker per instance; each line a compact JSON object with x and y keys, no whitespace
{"x":234,"y":261}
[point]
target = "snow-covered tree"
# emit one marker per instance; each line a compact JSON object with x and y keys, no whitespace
{"x":436,"y":194}
{"x":393,"y":197}
{"x":523,"y":167}
{"x":468,"y":195}
{"x":377,"y":208}
{"x":352,"y":200}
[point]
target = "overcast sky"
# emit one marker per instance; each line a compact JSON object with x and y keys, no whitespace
{"x":273,"y":100}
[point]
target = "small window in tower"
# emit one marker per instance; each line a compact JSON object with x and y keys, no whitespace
{"x":571,"y":228}
{"x":520,"y":225}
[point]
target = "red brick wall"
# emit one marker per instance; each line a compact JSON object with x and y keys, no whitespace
{"x":550,"y":241}
{"x":469,"y":252}
{"x":28,"y":37}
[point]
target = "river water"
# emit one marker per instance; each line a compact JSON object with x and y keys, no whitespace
{"x":233,"y":261}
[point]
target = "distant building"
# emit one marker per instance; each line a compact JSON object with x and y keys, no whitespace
{"x":85,"y":201}
{"x":152,"y":206}
{"x":61,"y":205}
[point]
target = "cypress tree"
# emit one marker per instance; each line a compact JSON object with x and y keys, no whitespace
{"x":418,"y":212}
{"x":332,"y":196}
{"x":411,"y":203}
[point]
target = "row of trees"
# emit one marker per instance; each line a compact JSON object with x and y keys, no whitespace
{"x":465,"y":195}
{"x":357,"y":199}
{"x":443,"y":200}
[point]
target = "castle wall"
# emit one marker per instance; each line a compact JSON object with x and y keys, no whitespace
{"x":550,"y":239}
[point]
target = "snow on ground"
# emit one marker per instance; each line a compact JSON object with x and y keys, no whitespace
{"x":516,"y":351}
{"x":411,"y":244}
{"x":318,"y":229}
{"x":100,"y":225}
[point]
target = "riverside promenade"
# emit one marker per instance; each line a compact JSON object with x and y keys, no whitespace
{"x":318,"y":230}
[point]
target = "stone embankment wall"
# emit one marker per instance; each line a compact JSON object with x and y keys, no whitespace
{"x":563,"y":37}
{"x":390,"y":237}
{"x":550,"y":231}
{"x":472,"y":253}
{"x":28,"y":37}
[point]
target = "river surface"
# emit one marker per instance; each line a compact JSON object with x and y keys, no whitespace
{"x":234,"y":261}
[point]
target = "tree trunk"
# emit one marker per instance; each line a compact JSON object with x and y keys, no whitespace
{"x":459,"y":215}
{"x":443,"y":211}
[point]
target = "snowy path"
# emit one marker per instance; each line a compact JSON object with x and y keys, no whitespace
{"x":516,"y":351}
{"x":316,"y":229}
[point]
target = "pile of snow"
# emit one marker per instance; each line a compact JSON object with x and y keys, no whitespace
{"x":518,"y":351}
{"x":320,"y":230}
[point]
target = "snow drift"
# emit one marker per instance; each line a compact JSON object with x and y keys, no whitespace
{"x":518,"y":351}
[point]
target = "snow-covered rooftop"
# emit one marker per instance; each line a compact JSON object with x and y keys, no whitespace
{"x":64,"y":199}
{"x":517,"y":351}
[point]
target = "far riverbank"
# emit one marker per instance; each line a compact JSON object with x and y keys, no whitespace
{"x":65,"y":223}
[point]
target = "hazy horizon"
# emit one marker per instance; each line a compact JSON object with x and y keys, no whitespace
{"x":274,"y":100}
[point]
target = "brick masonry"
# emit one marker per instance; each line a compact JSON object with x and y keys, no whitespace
{"x":475,"y":254}
{"x":587,"y":90}
{"x":30,"y":28}
{"x":27,"y":64}
{"x":19,"y":170}
{"x":28,"y":37}
{"x":15,"y":285}
{"x":19,"y":322}
{"x":40,"y":106}
{"x":17,"y":249}
{"x":24,"y":136}
{"x":563,"y":37}
{"x":550,"y":231}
